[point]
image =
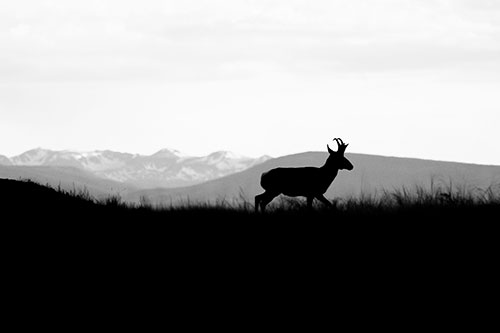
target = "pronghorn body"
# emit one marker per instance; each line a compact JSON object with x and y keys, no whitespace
{"x":294,"y":182}
{"x":310,"y":182}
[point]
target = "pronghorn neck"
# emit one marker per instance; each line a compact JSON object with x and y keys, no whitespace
{"x":329,"y":171}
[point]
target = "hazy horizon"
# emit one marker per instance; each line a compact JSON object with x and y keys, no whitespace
{"x":238,"y":155}
{"x":415,"y":79}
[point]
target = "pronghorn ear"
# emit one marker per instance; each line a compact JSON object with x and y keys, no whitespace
{"x":329,"y":150}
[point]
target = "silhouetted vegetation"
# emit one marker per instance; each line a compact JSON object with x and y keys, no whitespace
{"x":365,"y":235}
{"x":26,"y":200}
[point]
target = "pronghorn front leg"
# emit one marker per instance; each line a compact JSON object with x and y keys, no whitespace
{"x":324,"y":200}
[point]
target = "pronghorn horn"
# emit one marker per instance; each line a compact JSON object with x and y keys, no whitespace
{"x":341,"y":146}
{"x":338,"y":143}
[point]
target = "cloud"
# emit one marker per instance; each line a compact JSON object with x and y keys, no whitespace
{"x":190,"y":40}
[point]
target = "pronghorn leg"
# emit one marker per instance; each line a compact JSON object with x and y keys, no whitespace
{"x":258,"y":199}
{"x":324,"y":200}
{"x":310,"y":202}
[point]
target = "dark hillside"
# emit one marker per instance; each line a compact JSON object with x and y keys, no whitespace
{"x":409,"y":236}
{"x":26,"y":200}
{"x":67,"y":178}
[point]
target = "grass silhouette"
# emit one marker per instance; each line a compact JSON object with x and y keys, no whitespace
{"x":374,"y":239}
{"x":27,"y":199}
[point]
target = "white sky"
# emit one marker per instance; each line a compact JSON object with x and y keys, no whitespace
{"x":417,"y":78}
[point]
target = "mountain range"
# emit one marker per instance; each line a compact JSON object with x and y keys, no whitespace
{"x":165,"y":168}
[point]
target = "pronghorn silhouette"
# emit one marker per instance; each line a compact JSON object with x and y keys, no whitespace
{"x":309,"y":182}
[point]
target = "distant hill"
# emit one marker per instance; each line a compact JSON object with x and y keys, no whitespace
{"x":4,"y":160}
{"x":165,"y":168}
{"x":372,"y":174}
{"x":67,"y":178}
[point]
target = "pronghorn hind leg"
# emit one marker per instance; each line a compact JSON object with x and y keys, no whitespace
{"x":258,"y":199}
{"x":309,"y":202}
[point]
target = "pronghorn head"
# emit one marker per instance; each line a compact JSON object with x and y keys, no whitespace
{"x":337,"y":160}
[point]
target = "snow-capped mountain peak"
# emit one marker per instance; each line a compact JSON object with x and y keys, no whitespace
{"x":168,"y":153}
{"x":165,"y":168}
{"x":37,"y":156}
{"x":224,"y":154}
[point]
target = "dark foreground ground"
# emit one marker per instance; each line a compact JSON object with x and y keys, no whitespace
{"x":411,"y":257}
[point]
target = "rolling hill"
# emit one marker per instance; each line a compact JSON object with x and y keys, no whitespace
{"x":4,"y":160}
{"x":67,"y":178}
{"x":371,"y":175}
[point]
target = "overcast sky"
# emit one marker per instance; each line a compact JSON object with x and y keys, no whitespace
{"x":417,"y":78}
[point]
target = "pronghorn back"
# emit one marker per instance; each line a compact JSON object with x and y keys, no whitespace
{"x":292,"y":181}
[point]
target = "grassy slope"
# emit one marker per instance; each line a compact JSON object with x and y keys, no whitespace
{"x":31,"y":200}
{"x":406,"y":234}
{"x":68,"y":178}
{"x":69,"y":249}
